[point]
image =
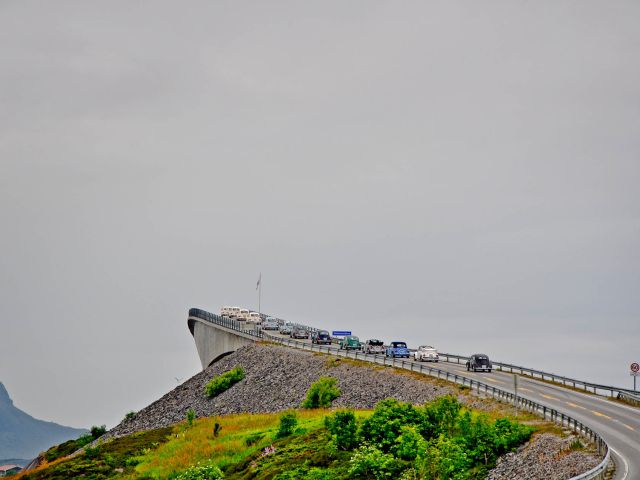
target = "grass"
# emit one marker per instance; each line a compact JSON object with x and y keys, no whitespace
{"x":239,"y":444}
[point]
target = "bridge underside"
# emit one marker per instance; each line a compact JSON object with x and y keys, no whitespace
{"x":214,"y":342}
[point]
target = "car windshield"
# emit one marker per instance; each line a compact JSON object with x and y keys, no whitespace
{"x":323,"y":334}
{"x":483,"y":360}
{"x":376,"y":343}
{"x":352,"y":338}
{"x":399,"y":345}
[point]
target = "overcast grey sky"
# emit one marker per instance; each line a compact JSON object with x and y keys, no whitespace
{"x":459,"y":173}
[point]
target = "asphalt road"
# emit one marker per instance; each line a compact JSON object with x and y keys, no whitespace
{"x":618,"y":424}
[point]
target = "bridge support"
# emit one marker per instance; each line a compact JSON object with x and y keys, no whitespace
{"x":214,"y":342}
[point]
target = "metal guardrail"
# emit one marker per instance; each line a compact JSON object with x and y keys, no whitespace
{"x":566,"y":381}
{"x":548,"y":413}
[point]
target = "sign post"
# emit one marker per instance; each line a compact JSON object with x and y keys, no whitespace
{"x":635,"y":371}
{"x":515,"y":393}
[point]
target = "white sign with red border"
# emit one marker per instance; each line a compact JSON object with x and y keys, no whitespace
{"x":635,"y":369}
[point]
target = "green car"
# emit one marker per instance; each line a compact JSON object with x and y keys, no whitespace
{"x":350,"y":342}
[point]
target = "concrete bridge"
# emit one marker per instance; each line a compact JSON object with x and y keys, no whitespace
{"x":612,"y":426}
{"x":214,"y":340}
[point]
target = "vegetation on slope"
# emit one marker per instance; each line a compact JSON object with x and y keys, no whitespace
{"x":438,"y":440}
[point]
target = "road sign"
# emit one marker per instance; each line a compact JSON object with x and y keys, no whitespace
{"x":635,"y":368}
{"x":340,"y":333}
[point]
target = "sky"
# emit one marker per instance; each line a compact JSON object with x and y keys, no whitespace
{"x":458,"y":173}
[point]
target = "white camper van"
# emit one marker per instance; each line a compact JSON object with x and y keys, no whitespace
{"x":255,"y":317}
{"x":243,"y":315}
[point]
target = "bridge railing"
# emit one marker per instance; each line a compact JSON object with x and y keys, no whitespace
{"x":622,"y":393}
{"x":531,"y":372}
{"x":548,"y":413}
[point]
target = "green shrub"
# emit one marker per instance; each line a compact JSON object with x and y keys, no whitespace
{"x":441,"y":416}
{"x":91,"y":452}
{"x":370,"y":462}
{"x":445,"y":458}
{"x":224,"y":382}
{"x":322,"y":393}
{"x":409,"y":444}
{"x":97,"y":432}
{"x":205,"y":471}
{"x":385,"y":425}
{"x":129,"y":416}
{"x":288,"y":424}
{"x":343,"y":428}
{"x":190,"y":416}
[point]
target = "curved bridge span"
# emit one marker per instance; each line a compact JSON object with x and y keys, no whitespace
{"x":612,"y":426}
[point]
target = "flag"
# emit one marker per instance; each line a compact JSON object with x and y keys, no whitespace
{"x":259,"y":278}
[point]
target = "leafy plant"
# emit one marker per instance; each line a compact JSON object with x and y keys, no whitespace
{"x":343,"y":428}
{"x":97,"y":432}
{"x":409,"y":444}
{"x":370,"y":462}
{"x":205,"y":471}
{"x":322,"y":393}
{"x":190,"y":416}
{"x":129,"y":416}
{"x":385,"y":425}
{"x":288,"y":424}
{"x":224,"y":382}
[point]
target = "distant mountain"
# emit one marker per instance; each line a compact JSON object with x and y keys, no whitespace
{"x":22,"y":436}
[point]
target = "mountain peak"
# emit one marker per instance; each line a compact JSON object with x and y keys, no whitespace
{"x":5,"y":399}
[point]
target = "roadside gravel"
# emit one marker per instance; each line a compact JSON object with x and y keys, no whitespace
{"x":545,"y":457}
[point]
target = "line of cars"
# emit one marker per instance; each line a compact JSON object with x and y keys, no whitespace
{"x":396,"y":349}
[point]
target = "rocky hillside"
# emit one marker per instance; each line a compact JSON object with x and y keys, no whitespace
{"x":22,"y":436}
{"x":277,"y":378}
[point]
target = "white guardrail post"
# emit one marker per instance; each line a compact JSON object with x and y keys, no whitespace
{"x":502,"y":395}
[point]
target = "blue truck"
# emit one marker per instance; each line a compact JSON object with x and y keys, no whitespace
{"x":397,"y":349}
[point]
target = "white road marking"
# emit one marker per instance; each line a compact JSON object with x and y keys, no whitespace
{"x":626,"y":465}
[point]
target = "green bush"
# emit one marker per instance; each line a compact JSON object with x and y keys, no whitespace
{"x":385,"y":425}
{"x":441,"y":416}
{"x":205,"y":471}
{"x":224,"y":382}
{"x":190,"y":416}
{"x":343,"y":428}
{"x":370,"y":462}
{"x":445,"y":458}
{"x":288,"y":424}
{"x":129,"y":416}
{"x":409,"y":444}
{"x":97,"y":432}
{"x":322,"y":393}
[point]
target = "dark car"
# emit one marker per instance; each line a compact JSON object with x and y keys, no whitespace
{"x":479,"y":361}
{"x":397,"y":349}
{"x":321,"y":337}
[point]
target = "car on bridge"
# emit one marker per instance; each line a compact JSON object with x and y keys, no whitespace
{"x":479,"y":361}
{"x":373,"y":346}
{"x":299,"y":332}
{"x":426,"y":353}
{"x":350,"y":342}
{"x":397,"y":349}
{"x":270,"y":324}
{"x":285,"y":329}
{"x":321,"y":337}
